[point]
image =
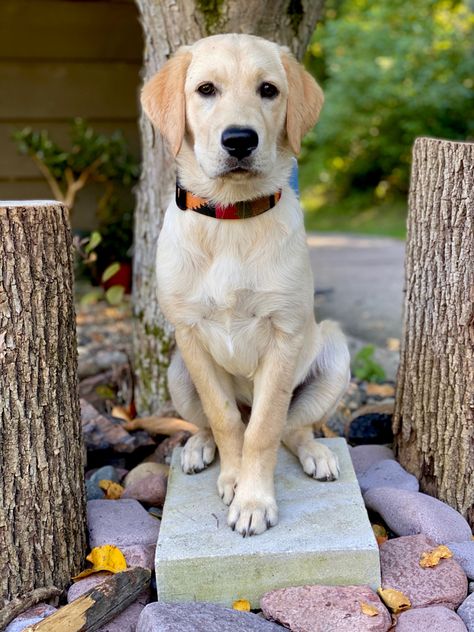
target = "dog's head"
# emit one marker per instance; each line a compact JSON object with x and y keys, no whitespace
{"x":232,"y":106}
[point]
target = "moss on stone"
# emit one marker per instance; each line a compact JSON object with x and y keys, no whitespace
{"x":211,"y":11}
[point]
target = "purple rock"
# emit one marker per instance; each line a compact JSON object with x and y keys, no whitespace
{"x":321,"y":608}
{"x":387,"y":473}
{"x":444,"y":584}
{"x":408,"y":513}
{"x":150,"y":490}
{"x":120,"y":522}
{"x":200,"y":617}
{"x":433,"y":618}
{"x":364,"y":456}
{"x":82,"y":586}
{"x":463,"y":553}
{"x":127,"y":620}
{"x":466,"y":612}
{"x":30,"y":617}
{"x":140,"y":555}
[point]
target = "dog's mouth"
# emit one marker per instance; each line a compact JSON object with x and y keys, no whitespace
{"x":242,"y":168}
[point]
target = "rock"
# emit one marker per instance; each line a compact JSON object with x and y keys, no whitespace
{"x":163,"y":452}
{"x":127,"y":620}
{"x":407,"y":513}
{"x":200,"y":617}
{"x":108,"y":472}
{"x":364,"y":456}
{"x":82,"y":586}
{"x":140,"y":555}
{"x":466,"y":612}
{"x":143,"y":470}
{"x":103,"y":432}
{"x":331,"y":608}
{"x":471,"y":587}
{"x":463,"y":553}
{"x":370,"y":428}
{"x":151,"y":489}
{"x":30,"y":617}
{"x":94,"y":492}
{"x":120,"y":522}
{"x":388,"y":473}
{"x":444,"y":584}
{"x":91,"y":362}
{"x":433,"y":618}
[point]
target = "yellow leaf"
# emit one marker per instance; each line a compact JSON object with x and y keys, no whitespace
{"x":112,"y":490}
{"x":433,"y":557}
{"x":327,"y":432}
{"x":121,"y":413}
{"x":369,"y":609}
{"x":394,"y":599}
{"x":241,"y":604}
{"x":104,"y":558}
{"x":380,"y":533}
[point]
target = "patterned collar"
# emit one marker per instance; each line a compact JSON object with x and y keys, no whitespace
{"x":240,"y":210}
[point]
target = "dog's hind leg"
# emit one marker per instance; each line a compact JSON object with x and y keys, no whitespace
{"x":315,"y":399}
{"x":200,"y":449}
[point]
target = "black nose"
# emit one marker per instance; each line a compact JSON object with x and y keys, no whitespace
{"x":239,"y":142}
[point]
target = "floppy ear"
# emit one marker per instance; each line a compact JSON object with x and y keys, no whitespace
{"x":305,"y":101}
{"x":163,"y":99}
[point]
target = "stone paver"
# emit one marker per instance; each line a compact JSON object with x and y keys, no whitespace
{"x":433,"y":619}
{"x":444,"y":584}
{"x":200,"y":617}
{"x":326,"y":609}
{"x":323,"y":536}
{"x":408,"y":513}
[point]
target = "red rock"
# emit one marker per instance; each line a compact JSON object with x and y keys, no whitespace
{"x":433,"y":618}
{"x":151,"y":489}
{"x":325,"y":608}
{"x":82,"y":586}
{"x":140,"y":555}
{"x":444,"y":584}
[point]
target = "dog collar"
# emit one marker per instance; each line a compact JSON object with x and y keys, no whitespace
{"x":187,"y":201}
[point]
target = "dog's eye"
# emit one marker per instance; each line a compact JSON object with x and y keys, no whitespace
{"x":207,"y":89}
{"x":268,"y":90}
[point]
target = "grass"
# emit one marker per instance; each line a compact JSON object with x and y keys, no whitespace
{"x":358,"y":213}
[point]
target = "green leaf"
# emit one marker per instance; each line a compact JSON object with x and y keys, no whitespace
{"x":114,"y":294}
{"x":110,"y":271}
{"x":91,"y":297}
{"x":365,"y":367}
{"x":94,"y":241}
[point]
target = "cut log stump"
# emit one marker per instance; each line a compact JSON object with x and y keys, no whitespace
{"x":42,"y":493}
{"x":434,"y":410}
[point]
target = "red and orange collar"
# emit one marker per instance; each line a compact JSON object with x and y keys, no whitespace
{"x":186,"y":201}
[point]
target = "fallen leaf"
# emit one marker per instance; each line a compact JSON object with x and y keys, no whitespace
{"x":379,"y":390}
{"x":368,"y":609}
{"x":121,"y":413}
{"x":104,"y":558}
{"x":327,"y":432}
{"x":380,"y":533}
{"x":433,"y":557}
{"x":160,"y":425}
{"x":241,"y":604}
{"x":113,"y":491}
{"x":394,"y":599}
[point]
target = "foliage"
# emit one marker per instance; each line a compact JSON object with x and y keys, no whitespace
{"x":391,"y":71}
{"x":365,"y":367}
{"x":91,"y":157}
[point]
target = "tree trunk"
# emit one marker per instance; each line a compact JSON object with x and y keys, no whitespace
{"x":168,"y":24}
{"x":434,"y":411}
{"x":42,"y":498}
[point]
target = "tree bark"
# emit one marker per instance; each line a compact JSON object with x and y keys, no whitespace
{"x":42,"y":492}
{"x":168,"y":24}
{"x":434,"y":411}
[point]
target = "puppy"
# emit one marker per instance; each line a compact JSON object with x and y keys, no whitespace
{"x":234,"y":276}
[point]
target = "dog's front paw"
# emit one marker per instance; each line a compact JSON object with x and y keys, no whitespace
{"x":227,"y":484}
{"x":319,"y":461}
{"x":199,"y":452}
{"x":252,"y":515}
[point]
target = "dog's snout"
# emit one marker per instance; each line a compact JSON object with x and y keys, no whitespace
{"x":239,"y":142}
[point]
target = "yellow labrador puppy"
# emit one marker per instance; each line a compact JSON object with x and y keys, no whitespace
{"x":234,"y":276}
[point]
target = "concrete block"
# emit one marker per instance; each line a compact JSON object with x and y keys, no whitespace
{"x":323,"y":537}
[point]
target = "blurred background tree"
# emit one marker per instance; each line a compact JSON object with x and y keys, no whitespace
{"x":391,"y":70}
